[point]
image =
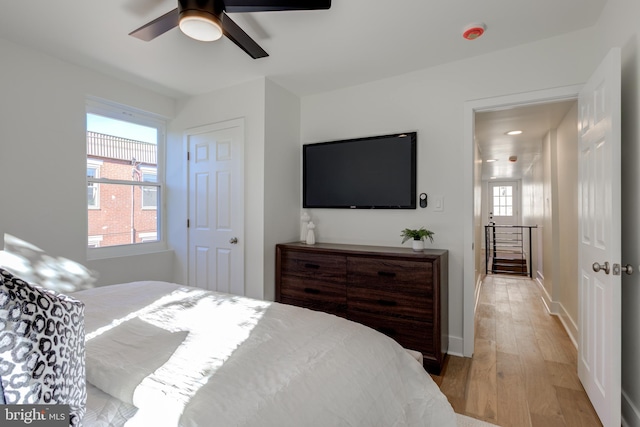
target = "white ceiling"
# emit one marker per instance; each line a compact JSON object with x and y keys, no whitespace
{"x":310,"y":51}
{"x":354,"y":42}
{"x":535,"y":121}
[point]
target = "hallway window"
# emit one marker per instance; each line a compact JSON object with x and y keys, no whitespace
{"x":503,"y":200}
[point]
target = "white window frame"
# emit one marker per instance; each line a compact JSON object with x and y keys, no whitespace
{"x":509,"y":197}
{"x":122,"y":112}
{"x":94,"y":241}
{"x":152,"y":237}
{"x":144,"y":170}
{"x":94,"y":164}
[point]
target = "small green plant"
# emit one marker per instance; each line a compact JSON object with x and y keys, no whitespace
{"x":418,"y":234}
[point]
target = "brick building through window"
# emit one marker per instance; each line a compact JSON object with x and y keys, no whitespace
{"x":123,"y":212}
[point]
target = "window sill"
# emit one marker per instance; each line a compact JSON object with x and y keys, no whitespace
{"x":125,"y":250}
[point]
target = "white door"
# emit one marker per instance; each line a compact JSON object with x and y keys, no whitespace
{"x":599,"y":215}
{"x":216,"y":207}
{"x":504,"y":202}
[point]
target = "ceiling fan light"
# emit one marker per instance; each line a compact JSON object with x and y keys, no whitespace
{"x":200,"y":26}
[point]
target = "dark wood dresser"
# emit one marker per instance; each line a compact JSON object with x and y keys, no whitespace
{"x":397,"y":291}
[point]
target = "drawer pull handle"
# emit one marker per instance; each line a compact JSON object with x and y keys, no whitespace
{"x":314,"y":266}
{"x":386,"y":274}
{"x":387,"y":303}
{"x":312,"y":291}
{"x":387,"y":331}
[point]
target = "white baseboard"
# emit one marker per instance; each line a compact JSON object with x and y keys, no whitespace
{"x":557,"y":309}
{"x":569,"y":324}
{"x":456,"y":346}
{"x":630,"y":413}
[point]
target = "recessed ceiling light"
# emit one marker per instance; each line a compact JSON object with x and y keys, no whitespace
{"x":491,"y":160}
{"x":514,"y":132}
{"x":493,"y":177}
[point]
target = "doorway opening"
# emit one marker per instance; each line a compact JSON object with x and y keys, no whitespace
{"x":502,"y":113}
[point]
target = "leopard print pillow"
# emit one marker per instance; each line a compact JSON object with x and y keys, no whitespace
{"x":42,"y":359}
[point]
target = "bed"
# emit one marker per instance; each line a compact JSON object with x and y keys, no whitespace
{"x":162,"y":354}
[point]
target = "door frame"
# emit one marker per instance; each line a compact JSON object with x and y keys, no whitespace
{"x":469,"y":266}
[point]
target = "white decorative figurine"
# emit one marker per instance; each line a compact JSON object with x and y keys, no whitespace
{"x":305,"y":218}
{"x":311,"y":236}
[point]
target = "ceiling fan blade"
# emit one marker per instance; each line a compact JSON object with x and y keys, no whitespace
{"x":237,"y":6}
{"x":240,"y":38}
{"x":157,"y":27}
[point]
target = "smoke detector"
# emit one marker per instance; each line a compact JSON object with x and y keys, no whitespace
{"x":474,"y":31}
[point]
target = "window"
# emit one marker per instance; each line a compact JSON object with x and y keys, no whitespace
{"x":94,"y":241}
{"x":502,"y":200}
{"x":149,"y":193}
{"x":148,"y":237}
{"x":123,"y":149}
{"x":93,"y":188}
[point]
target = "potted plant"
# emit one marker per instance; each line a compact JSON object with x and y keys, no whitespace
{"x":418,"y":236}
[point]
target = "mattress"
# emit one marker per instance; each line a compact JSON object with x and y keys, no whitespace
{"x":161,"y":354}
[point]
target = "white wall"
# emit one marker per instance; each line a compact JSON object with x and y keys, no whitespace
{"x":432,"y":102}
{"x":550,"y":189}
{"x":248,"y":101}
{"x":566,"y":211}
{"x":549,"y":228}
{"x":282,"y":179}
{"x":43,"y":156}
{"x":479,"y":221}
{"x":272,"y":173}
{"x":533,"y":213}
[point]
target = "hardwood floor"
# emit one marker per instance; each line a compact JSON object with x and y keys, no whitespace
{"x":524,"y":369}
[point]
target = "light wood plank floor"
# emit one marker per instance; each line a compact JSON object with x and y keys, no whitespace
{"x":524,"y":369}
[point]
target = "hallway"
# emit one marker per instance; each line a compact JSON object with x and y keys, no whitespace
{"x":523,"y":372}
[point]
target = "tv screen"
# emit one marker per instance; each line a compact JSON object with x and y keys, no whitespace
{"x":365,"y":173}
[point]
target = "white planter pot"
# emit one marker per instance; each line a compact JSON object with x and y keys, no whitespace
{"x":418,"y":245}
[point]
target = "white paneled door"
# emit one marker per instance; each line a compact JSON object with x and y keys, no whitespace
{"x":504,"y":202}
{"x":216,"y":207}
{"x":599,"y":318}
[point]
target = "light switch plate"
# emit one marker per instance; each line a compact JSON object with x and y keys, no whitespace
{"x":438,"y":203}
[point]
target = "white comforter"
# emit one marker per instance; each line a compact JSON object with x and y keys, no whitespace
{"x":189,"y":357}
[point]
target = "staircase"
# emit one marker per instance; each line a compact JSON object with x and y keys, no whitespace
{"x":509,"y":266}
{"x":506,"y":249}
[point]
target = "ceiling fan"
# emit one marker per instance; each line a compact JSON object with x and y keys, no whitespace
{"x":207,"y":20}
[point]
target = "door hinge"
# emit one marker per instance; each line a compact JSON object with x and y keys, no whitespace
{"x":188,"y":156}
{"x":188,"y":223}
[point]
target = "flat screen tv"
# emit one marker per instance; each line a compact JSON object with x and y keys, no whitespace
{"x":366,"y":173}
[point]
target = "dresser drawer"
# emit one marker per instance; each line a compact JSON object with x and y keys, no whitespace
{"x":324,"y":306}
{"x":405,"y":276}
{"x":317,"y":266}
{"x":314,"y":290}
{"x":410,"y":334}
{"x":391,"y":302}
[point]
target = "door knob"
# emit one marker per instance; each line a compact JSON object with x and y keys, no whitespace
{"x":627,"y":269}
{"x":597,"y":267}
{"x":233,"y":240}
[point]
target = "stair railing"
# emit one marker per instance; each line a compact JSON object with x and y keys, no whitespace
{"x":508,"y":249}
